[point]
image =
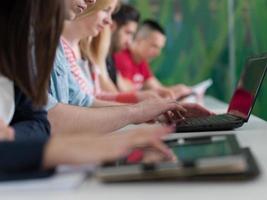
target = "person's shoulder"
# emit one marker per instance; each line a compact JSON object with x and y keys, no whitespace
{"x":60,"y":63}
{"x":59,"y":57}
{"x":124,"y":53}
{"x":145,"y":64}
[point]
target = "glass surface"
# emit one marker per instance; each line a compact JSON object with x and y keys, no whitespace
{"x":248,"y":85}
{"x":191,"y":152}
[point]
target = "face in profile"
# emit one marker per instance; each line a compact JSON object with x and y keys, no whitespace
{"x":93,"y":24}
{"x":125,"y":34}
{"x":76,"y":7}
{"x":151,"y":46}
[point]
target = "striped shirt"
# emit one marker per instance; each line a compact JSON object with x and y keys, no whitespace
{"x":76,"y":69}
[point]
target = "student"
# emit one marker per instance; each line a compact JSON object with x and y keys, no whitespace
{"x":28,"y":121}
{"x":27,"y":66}
{"x":124,"y":27}
{"x":133,"y":62}
{"x":71,"y":110}
{"x":87,"y":62}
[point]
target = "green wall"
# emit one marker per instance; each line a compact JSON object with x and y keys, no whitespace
{"x":198,"y":42}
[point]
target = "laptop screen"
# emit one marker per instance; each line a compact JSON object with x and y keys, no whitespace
{"x":245,"y":94}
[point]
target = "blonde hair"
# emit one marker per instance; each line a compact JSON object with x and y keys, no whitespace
{"x":99,"y":5}
{"x":96,"y":49}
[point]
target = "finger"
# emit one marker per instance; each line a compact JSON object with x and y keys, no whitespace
{"x":178,"y":116}
{"x":171,"y":95}
{"x":167,"y":118}
{"x":174,"y":105}
{"x":152,"y":156}
{"x":142,"y":137}
{"x":180,"y":107}
{"x":162,"y":148}
{"x":174,"y":116}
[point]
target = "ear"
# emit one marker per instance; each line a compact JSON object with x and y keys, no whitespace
{"x":114,"y":26}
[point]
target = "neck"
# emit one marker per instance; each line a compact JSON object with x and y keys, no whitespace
{"x":70,"y":34}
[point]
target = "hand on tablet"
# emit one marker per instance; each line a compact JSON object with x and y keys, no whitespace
{"x":83,"y":149}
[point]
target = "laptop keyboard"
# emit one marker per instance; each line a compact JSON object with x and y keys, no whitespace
{"x":214,"y":119}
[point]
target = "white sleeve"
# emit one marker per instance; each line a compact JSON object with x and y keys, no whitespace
{"x":7,"y":99}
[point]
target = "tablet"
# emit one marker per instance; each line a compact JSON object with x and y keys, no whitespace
{"x":200,"y":157}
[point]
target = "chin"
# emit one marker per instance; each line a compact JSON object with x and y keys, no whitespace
{"x":95,"y":33}
{"x":70,"y":16}
{"x":124,"y":47}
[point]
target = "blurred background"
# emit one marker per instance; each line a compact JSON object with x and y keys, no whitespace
{"x":209,"y":39}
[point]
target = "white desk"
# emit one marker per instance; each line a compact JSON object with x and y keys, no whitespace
{"x":253,"y":135}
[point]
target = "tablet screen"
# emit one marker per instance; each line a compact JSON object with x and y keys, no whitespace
{"x":191,"y":152}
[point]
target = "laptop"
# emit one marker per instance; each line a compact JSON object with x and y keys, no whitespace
{"x":240,"y":106}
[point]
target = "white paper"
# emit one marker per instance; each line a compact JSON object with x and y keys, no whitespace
{"x":199,"y":91}
{"x":66,"y":178}
{"x":201,"y":88}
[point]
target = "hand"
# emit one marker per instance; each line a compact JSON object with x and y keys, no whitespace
{"x":165,"y":93}
{"x":83,"y":149}
{"x":181,"y":90}
{"x":145,"y":95}
{"x":195,"y":110}
{"x":6,"y":132}
{"x":152,"y":109}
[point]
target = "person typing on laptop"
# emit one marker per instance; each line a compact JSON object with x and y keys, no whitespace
{"x":47,"y":152}
{"x":70,"y":110}
{"x":133,"y":62}
{"x":241,"y":104}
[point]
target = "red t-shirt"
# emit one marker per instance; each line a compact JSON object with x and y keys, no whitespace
{"x":137,"y":73}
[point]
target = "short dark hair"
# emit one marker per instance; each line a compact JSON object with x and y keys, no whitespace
{"x":153,"y":25}
{"x":28,"y":47}
{"x":126,"y":14}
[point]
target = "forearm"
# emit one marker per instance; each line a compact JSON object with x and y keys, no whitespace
{"x":66,"y":119}
{"x":107,"y":85}
{"x":153,"y":84}
{"x":102,"y":103}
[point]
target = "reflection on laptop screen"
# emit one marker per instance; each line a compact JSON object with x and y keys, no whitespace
{"x":244,"y":96}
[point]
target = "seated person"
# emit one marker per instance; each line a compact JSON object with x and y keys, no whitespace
{"x":71,"y":110}
{"x":20,"y":80}
{"x":124,"y":26}
{"x":133,"y":62}
{"x":87,"y":61}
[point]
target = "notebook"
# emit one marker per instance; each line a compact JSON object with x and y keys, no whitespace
{"x":241,"y":104}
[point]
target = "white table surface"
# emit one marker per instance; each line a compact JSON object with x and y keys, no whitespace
{"x":253,"y":135}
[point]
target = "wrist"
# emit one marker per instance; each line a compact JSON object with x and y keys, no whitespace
{"x":54,"y":153}
{"x":127,"y":98}
{"x":133,"y":113}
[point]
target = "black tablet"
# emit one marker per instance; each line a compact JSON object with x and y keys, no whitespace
{"x":198,"y":157}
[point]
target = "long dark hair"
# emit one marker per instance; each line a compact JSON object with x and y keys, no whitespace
{"x":29,"y":35}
